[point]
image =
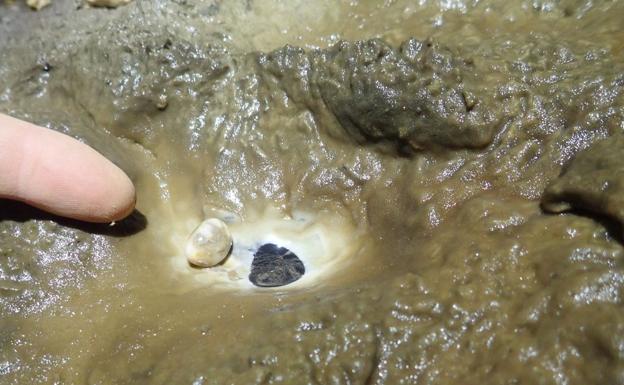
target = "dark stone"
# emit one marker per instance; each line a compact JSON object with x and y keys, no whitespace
{"x":275,"y":266}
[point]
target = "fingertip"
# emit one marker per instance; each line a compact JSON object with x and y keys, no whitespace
{"x":61,"y":175}
{"x":109,"y":195}
{"x":121,"y":203}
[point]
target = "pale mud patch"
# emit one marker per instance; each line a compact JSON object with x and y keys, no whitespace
{"x":327,"y":242}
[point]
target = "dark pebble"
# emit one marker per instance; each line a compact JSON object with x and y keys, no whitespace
{"x":275,"y":266}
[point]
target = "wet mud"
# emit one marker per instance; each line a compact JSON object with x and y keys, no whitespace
{"x":447,"y":173}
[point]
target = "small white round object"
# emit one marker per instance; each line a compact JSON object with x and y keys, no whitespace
{"x":209,"y":243}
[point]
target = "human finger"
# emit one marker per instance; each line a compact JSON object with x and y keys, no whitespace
{"x":61,"y":175}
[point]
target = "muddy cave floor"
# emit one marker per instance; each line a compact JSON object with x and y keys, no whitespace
{"x":449,"y":173}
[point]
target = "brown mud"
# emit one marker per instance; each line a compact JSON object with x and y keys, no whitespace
{"x":431,"y":148}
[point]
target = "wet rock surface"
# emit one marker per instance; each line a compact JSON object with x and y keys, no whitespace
{"x":440,"y":129}
{"x":274,"y":266}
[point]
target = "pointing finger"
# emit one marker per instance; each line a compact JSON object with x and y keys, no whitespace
{"x":61,"y":175}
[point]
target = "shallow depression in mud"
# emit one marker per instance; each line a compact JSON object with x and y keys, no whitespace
{"x":328,"y":244}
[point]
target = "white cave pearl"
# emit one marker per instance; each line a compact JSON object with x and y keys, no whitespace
{"x":209,"y":243}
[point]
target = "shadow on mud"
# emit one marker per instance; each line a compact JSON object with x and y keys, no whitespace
{"x":20,"y":212}
{"x":612,"y":226}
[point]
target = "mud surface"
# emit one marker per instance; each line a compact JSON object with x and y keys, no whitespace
{"x":464,"y":157}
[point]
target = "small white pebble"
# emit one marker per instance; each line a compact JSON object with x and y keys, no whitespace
{"x":209,"y":243}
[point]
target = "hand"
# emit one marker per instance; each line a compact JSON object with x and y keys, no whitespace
{"x":61,"y":175}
